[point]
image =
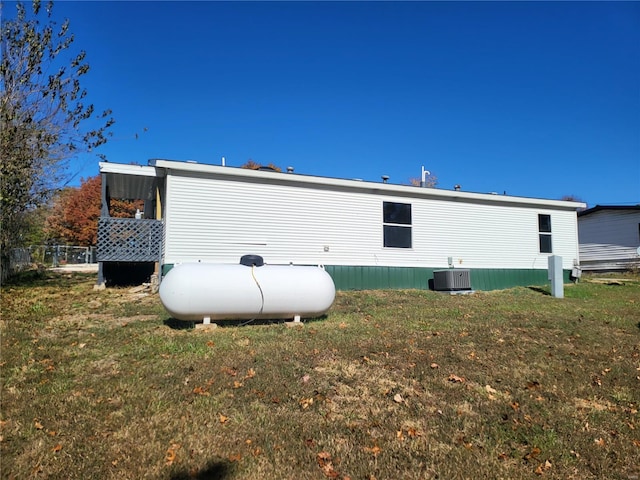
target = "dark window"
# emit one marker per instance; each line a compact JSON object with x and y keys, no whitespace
{"x":398,"y":237}
{"x":396,"y":217}
{"x":397,"y":213}
{"x":544,"y":223}
{"x":544,"y":229}
{"x":545,"y":243}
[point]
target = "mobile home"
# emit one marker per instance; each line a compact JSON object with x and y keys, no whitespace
{"x":366,"y":234}
{"x":610,"y":237}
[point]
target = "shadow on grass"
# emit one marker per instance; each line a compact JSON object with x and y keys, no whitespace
{"x":541,"y":290}
{"x":215,"y":470}
{"x":176,"y":324}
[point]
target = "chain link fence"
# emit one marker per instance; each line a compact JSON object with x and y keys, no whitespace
{"x":20,"y":259}
{"x":56,"y":255}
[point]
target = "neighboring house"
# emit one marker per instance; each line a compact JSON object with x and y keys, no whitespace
{"x":609,"y":237}
{"x":366,"y":234}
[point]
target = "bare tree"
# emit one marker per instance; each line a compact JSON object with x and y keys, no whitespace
{"x":430,"y":181}
{"x":251,"y":165}
{"x":44,"y":120}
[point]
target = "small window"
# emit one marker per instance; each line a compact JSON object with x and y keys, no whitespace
{"x":544,"y":233}
{"x":397,"y":213}
{"x":544,"y":223}
{"x":397,"y":224}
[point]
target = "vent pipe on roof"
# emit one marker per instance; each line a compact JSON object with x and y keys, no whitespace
{"x":385,"y":178}
{"x":423,"y":178}
{"x":289,"y":169}
{"x":224,"y":162}
{"x":456,"y":187}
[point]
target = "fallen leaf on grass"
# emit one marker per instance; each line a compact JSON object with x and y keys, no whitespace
{"x":533,"y":454}
{"x":57,"y":448}
{"x":38,"y":425}
{"x":211,"y":344}
{"x":398,"y":398}
{"x":455,"y":379}
{"x":171,"y":454}
{"x":201,"y":391}
{"x":375,"y":450}
{"x":306,"y":402}
{"x":223,"y":419}
{"x":599,"y":442}
{"x":235,"y":458}
{"x":250,"y":373}
{"x":434,"y":365}
{"x":237,"y":384}
{"x":542,"y":467}
{"x":325,"y":464}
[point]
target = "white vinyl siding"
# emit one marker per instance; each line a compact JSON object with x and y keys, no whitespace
{"x":214,"y":219}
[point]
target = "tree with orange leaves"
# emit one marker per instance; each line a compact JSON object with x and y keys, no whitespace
{"x":75,"y":213}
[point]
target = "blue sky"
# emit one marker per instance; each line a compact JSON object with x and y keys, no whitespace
{"x":538,"y":99}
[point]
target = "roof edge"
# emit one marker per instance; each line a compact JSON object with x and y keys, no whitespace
{"x":161,"y":167}
{"x":597,"y":208}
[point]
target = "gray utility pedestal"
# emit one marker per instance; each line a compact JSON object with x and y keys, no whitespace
{"x":556,"y":277}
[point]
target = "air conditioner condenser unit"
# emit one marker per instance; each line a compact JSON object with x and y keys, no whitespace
{"x":453,"y":279}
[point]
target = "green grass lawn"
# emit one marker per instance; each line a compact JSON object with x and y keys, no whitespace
{"x":389,"y":385}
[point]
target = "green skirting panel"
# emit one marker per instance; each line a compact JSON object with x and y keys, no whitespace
{"x":348,"y":277}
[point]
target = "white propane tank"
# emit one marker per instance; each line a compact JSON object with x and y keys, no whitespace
{"x":197,"y":291}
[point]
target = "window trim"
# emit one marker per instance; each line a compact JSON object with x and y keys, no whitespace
{"x":545,"y":234}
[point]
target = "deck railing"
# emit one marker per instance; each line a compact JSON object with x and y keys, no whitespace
{"x":129,"y":240}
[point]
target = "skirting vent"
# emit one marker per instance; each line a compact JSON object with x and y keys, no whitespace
{"x":450,"y":280}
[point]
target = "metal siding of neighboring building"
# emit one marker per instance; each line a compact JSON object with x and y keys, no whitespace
{"x":218,"y":220}
{"x":609,"y":238}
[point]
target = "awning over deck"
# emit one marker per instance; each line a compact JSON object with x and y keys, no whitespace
{"x":130,"y":182}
